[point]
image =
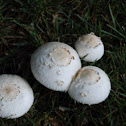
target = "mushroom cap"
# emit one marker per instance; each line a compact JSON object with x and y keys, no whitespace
{"x":54,"y":64}
{"x":16,"y":96}
{"x":90,"y":47}
{"x":91,"y":86}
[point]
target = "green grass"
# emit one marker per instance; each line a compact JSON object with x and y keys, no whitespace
{"x":27,"y":24}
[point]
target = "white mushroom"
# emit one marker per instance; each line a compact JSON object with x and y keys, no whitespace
{"x":16,"y":96}
{"x":54,"y":65}
{"x":90,"y":47}
{"x":91,"y":86}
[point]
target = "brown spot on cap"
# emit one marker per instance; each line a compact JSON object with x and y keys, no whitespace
{"x":59,"y":72}
{"x":9,"y":92}
{"x":90,"y":40}
{"x":61,"y":57}
{"x":46,"y":63}
{"x":92,"y":33}
{"x":89,"y":76}
{"x":60,"y":83}
{"x":83,"y":94}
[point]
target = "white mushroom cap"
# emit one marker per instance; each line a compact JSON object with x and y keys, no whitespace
{"x":91,"y":86}
{"x":16,"y":96}
{"x":54,"y":65}
{"x":90,"y":47}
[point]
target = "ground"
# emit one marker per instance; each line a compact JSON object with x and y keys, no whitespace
{"x":27,"y":24}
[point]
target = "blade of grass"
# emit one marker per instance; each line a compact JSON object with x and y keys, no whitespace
{"x":113,"y":19}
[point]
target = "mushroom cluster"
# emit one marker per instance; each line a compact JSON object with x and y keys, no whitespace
{"x":91,"y":84}
{"x":57,"y":66}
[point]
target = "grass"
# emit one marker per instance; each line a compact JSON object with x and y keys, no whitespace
{"x":27,"y":24}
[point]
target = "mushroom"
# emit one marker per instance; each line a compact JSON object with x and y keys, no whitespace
{"x":16,"y":96}
{"x":90,"y":47}
{"x":54,"y":65}
{"x":90,"y":86}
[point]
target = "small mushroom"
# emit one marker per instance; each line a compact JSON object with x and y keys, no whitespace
{"x":65,"y":62}
{"x":94,"y":87}
{"x":90,"y":47}
{"x":16,"y":96}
